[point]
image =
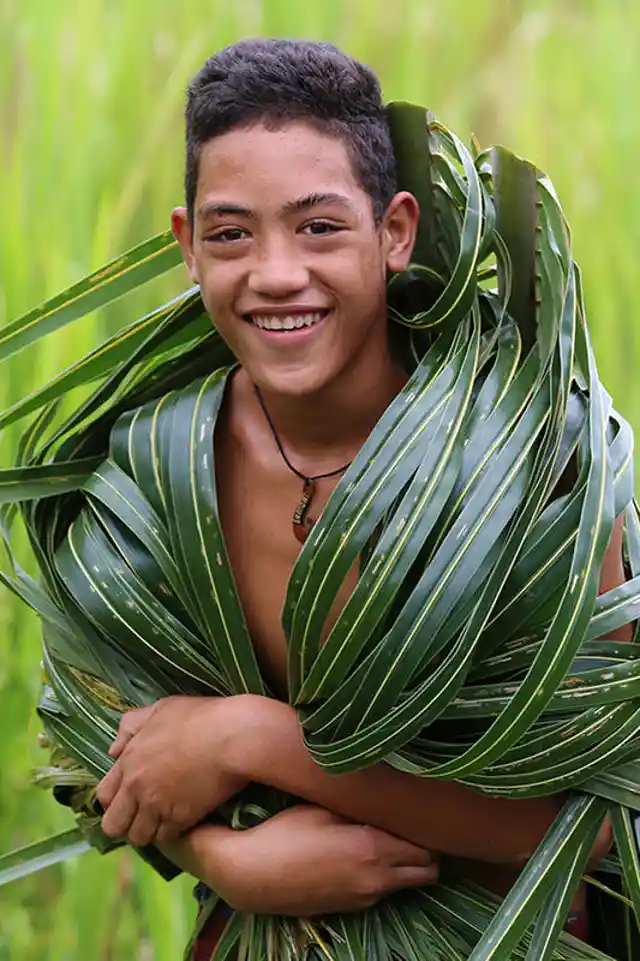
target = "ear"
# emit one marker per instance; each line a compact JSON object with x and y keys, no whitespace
{"x":181,"y":230}
{"x":399,"y":229}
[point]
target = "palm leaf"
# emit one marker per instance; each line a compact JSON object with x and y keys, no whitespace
{"x":469,"y":648}
{"x":145,"y":262}
{"x":42,"y":854}
{"x":565,"y":850}
{"x":626,"y":840}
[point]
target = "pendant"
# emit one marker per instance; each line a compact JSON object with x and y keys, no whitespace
{"x":301,"y":523}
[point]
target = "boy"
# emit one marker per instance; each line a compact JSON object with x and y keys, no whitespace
{"x":292,"y":224}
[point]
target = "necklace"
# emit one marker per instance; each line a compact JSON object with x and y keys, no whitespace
{"x":302,"y":523}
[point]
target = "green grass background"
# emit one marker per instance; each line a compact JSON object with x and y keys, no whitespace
{"x":91,"y":95}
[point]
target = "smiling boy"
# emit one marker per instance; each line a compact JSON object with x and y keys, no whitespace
{"x":292,"y":225}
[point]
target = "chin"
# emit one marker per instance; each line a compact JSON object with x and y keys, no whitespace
{"x":304,"y":382}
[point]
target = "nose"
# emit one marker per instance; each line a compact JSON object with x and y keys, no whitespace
{"x":279,"y":270}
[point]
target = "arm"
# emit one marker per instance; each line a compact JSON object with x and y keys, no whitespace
{"x":438,"y":815}
{"x":301,"y":862}
{"x":441,"y":816}
{"x":249,"y":738}
{"x":613,"y":574}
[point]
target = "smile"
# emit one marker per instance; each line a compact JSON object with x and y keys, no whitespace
{"x":279,"y":322}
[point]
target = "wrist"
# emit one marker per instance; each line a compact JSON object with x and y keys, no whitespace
{"x":260,"y":727}
{"x":200,"y":852}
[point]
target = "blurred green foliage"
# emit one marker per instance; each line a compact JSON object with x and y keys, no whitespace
{"x":91,"y":139}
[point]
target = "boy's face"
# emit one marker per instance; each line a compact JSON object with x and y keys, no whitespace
{"x":291,"y":264}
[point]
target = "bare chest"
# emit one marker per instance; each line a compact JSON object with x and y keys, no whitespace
{"x":256,"y":512}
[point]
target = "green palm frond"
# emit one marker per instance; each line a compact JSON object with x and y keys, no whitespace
{"x":469,"y":649}
{"x":42,"y":854}
{"x":145,"y":262}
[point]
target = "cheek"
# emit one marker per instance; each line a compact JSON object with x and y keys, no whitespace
{"x":358,"y":273}
{"x":363,"y":284}
{"x":218,"y":286}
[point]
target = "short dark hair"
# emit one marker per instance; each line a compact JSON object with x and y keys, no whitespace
{"x":277,"y":81}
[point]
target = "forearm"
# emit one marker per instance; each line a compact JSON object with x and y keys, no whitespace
{"x":437,"y":815}
{"x":303,"y":862}
{"x":200,"y":852}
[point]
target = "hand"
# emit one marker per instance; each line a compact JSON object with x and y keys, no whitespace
{"x":303,"y":862}
{"x":172,"y":766}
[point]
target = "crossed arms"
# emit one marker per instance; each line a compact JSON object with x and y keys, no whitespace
{"x":361,"y":835}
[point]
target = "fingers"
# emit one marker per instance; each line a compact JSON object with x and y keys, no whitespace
{"x":123,"y":816}
{"x":119,"y":745}
{"x":120,"y":815}
{"x":109,"y":786}
{"x":168,"y":832}
{"x":402,"y":853}
{"x":399,"y":864}
{"x":415,"y":877}
{"x":144,"y":828}
{"x":132,"y":721}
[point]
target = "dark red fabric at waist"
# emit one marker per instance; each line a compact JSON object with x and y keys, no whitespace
{"x":205,"y":944}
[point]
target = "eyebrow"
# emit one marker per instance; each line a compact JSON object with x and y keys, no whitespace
{"x":214,"y":208}
{"x":315,"y":200}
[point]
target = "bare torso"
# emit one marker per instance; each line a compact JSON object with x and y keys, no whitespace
{"x":257,"y":496}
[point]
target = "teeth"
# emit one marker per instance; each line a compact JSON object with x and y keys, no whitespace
{"x":271,"y":322}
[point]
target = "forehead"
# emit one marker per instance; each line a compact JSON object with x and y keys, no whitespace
{"x":259,"y":164}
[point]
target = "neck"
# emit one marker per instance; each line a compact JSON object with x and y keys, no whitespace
{"x":332,"y":424}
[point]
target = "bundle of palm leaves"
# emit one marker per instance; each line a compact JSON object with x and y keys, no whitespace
{"x":479,"y":511}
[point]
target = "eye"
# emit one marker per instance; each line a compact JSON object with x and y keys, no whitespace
{"x":227,"y":235}
{"x":318,"y":228}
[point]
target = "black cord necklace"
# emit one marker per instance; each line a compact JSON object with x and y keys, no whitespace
{"x":302,"y":523}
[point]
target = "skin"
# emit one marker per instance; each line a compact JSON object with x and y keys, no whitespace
{"x":282,"y":225}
